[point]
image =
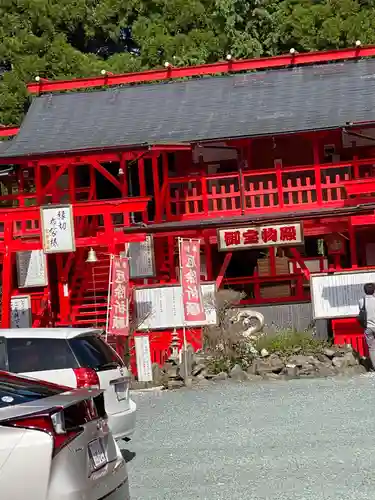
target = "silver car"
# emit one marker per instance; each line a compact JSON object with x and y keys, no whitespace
{"x":55,"y":444}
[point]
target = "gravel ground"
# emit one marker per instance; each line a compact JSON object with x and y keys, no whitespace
{"x":296,"y":440}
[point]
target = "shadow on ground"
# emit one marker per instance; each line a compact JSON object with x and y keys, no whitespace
{"x":128,"y":455}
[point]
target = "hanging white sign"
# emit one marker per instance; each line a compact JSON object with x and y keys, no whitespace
{"x":57,"y":228}
{"x":31,"y":269}
{"x":143,"y":358}
{"x":142,"y":261}
{"x":161,"y":307}
{"x":20,"y":309}
{"x":337,"y":295}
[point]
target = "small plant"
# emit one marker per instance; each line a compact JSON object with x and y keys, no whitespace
{"x":288,"y":341}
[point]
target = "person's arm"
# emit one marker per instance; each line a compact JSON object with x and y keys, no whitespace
{"x":360,"y":304}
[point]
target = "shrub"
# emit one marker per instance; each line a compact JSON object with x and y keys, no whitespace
{"x":288,"y":341}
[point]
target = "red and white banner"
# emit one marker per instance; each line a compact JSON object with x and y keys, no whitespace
{"x":190,"y":281}
{"x":118,"y":301}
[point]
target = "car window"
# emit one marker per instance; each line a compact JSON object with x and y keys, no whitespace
{"x":92,"y":352}
{"x":15,"y":391}
{"x":32,"y":355}
{"x":3,"y":356}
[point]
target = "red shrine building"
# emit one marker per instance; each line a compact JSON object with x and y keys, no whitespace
{"x":270,"y":163}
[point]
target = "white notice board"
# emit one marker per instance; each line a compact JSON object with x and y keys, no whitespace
{"x":31,"y":269}
{"x":142,"y":261}
{"x":57,"y":228}
{"x":143,"y":358}
{"x":20,"y":311}
{"x":161,"y":307}
{"x":337,"y":295}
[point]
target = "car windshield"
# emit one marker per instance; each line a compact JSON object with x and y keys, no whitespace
{"x":14,"y":390}
{"x":92,"y":352}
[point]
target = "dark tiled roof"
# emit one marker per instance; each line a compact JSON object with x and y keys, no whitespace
{"x":268,"y":102}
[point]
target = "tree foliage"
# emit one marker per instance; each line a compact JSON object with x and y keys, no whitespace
{"x":72,"y":38}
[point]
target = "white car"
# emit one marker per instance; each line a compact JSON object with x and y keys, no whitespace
{"x":78,"y":358}
{"x":55,"y":444}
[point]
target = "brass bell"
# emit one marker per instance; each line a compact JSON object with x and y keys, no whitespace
{"x":91,"y":257}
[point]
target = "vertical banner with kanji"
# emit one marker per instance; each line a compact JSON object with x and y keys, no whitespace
{"x":192,"y":299}
{"x":118,"y":299}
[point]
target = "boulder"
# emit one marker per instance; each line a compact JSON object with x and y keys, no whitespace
{"x":264,"y":353}
{"x":300,"y":360}
{"x":344,"y":361}
{"x":326,"y":370}
{"x":273,"y":364}
{"x":237,"y":373}
{"x":175,"y":384}
{"x":330,"y":353}
{"x":291,"y":371}
{"x":158,"y":375}
{"x":187,"y":361}
{"x":198,"y":369}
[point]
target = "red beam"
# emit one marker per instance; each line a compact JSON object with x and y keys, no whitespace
{"x":8,"y":131}
{"x":233,"y":66}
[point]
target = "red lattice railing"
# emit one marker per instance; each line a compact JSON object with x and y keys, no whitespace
{"x":269,"y":189}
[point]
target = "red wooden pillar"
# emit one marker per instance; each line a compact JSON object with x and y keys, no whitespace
{"x":142,"y":185}
{"x":352,"y":244}
{"x":208,"y":254}
{"x":156,"y":181}
{"x":7,"y":281}
{"x":318,"y":174}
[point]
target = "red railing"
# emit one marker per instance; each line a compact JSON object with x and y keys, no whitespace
{"x":269,"y":189}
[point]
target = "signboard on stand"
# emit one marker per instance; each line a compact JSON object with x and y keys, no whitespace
{"x":118,"y":297}
{"x":241,"y":238}
{"x":190,"y":270}
{"x":142,"y":258}
{"x":20,"y":311}
{"x":143,"y":358}
{"x":160,"y":307}
{"x":32,"y":269}
{"x":337,"y":295}
{"x":57,"y":228}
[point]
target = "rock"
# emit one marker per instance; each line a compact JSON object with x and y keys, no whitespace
{"x":350,"y":371}
{"x":200,"y":376}
{"x":350,"y":359}
{"x":271,"y":376}
{"x":296,"y":350}
{"x":220,"y":376}
{"x":299,"y":360}
{"x":264,"y":353}
{"x":272,"y":364}
{"x":276,"y":363}
{"x":175,"y":384}
{"x":188,"y":382}
{"x":330,"y":353}
{"x":187,"y":361}
{"x":198,"y":369}
{"x":323,"y":358}
{"x":345,"y":361}
{"x":158,"y":375}
{"x":326,"y":370}
{"x":291,"y":371}
{"x":237,"y":373}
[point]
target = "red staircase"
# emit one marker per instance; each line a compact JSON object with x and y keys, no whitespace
{"x":89,"y":292}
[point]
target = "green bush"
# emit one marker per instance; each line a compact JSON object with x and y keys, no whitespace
{"x":287,"y":342}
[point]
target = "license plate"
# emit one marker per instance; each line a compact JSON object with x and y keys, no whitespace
{"x":97,"y":455}
{"x":122,"y":391}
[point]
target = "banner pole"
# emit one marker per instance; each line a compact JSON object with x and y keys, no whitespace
{"x":109,"y":296}
{"x":184,"y":349}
